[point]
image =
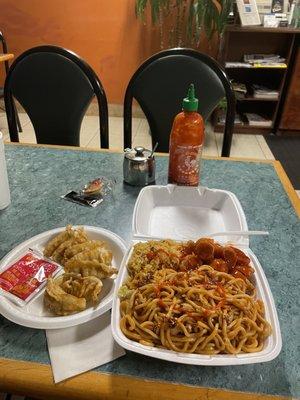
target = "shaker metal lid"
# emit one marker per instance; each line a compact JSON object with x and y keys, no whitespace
{"x":138,"y":154}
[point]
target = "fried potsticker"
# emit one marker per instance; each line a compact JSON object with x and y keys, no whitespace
{"x":77,"y":248}
{"x":56,"y":248}
{"x":90,"y":268}
{"x":88,"y":287}
{"x":101,"y":254}
{"x":59,"y":254}
{"x":59,"y":302}
{"x":57,"y":241}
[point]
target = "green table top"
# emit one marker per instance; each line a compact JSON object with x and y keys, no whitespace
{"x":39,"y":176}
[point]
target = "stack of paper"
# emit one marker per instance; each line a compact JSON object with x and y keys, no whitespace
{"x":258,"y":120}
{"x":237,"y":65}
{"x":265,"y":60}
{"x":261,"y":92}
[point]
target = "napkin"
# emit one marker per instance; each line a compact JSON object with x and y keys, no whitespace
{"x":80,"y":348}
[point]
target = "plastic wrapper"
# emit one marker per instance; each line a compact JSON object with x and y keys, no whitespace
{"x":25,"y":278}
{"x":92,"y":194}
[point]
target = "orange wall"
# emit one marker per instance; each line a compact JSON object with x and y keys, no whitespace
{"x":104,"y":32}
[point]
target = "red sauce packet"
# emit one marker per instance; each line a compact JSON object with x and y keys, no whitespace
{"x":24,"y":279}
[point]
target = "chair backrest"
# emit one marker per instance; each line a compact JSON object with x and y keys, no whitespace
{"x":55,"y":87}
{"x":160,"y":84}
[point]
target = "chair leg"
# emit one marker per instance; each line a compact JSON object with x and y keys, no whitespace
{"x":17,"y":118}
{"x":226,"y":144}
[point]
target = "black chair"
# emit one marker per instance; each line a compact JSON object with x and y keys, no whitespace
{"x":160,"y":84}
{"x":55,"y":87}
{"x":6,"y":66}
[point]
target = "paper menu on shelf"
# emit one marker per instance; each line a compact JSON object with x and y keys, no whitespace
{"x":248,"y":12}
{"x":264,"y":6}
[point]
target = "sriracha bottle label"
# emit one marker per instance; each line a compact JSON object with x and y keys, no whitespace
{"x":184,"y":167}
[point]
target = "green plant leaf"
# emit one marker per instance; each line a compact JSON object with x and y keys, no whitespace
{"x":140,"y":7}
{"x":226,"y":7}
{"x":201,"y":15}
{"x":223,"y":104}
{"x":191,"y":21}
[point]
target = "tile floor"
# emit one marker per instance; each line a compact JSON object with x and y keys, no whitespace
{"x":248,"y":146}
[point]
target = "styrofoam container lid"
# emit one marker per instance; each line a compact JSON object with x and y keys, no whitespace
{"x":186,"y":213}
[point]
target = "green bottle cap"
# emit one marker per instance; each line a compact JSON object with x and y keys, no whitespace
{"x":190,"y":103}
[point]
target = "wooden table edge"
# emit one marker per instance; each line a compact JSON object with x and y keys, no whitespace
{"x":35,"y":379}
{"x":286,"y":183}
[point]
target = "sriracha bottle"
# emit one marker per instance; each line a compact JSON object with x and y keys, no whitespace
{"x":186,"y":143}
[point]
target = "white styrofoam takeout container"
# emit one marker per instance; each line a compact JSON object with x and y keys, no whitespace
{"x":182,"y":213}
{"x":34,"y":314}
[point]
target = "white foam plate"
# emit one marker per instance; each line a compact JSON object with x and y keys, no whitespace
{"x":270,"y":351}
{"x":33,"y":314}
